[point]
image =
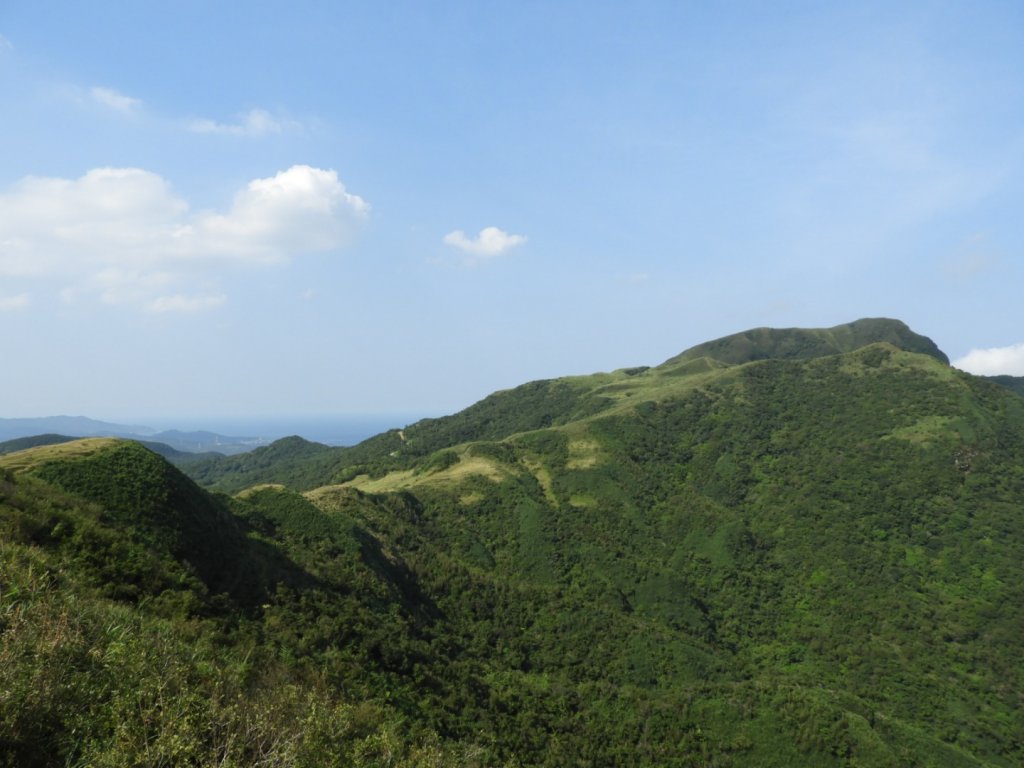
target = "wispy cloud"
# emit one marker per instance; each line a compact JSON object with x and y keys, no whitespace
{"x":14,"y":303}
{"x":115,"y":100}
{"x":489,"y":243}
{"x":994,"y":361}
{"x":5,"y":44}
{"x":255,"y":123}
{"x":123,"y":235}
{"x":181,"y":303}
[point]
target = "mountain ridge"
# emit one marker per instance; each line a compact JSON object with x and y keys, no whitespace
{"x":806,"y":343}
{"x":791,"y":561}
{"x":550,"y":402}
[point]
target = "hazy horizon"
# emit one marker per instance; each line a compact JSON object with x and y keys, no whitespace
{"x":331,"y":429}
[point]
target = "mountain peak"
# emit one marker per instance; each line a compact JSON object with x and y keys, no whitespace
{"x":807,"y":343}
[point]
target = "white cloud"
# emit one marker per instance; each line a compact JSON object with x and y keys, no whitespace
{"x":114,"y":100}
{"x":489,"y":243}
{"x":14,"y":303}
{"x":301,"y":209}
{"x":122,"y":234}
{"x":256,"y":122}
{"x":121,"y":286}
{"x":109,"y":216}
{"x":5,"y":44}
{"x":994,"y":361}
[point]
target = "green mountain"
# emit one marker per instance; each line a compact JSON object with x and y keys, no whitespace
{"x":541,"y":404}
{"x":807,"y":343}
{"x":781,"y":548}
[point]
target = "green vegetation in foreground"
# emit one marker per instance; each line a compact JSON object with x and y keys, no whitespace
{"x":126,"y":639}
{"x":812,"y":560}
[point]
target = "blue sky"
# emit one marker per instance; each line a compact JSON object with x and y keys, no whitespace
{"x":337,"y":207}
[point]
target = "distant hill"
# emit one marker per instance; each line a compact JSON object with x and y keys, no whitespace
{"x":197,"y":442}
{"x":78,"y":426}
{"x":286,"y":461}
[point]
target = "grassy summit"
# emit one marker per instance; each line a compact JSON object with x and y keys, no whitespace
{"x":807,"y":343}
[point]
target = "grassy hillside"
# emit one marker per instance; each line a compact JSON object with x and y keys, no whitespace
{"x":843,"y":533}
{"x":291,"y":460}
{"x":805,"y":560}
{"x":541,"y":404}
{"x":807,"y":343}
